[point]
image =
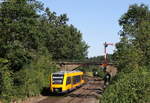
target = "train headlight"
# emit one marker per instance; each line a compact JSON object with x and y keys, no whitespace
{"x":57,"y":90}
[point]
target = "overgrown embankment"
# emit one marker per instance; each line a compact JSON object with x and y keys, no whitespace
{"x":130,"y":87}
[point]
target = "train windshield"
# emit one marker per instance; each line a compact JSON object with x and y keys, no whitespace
{"x":58,"y":78}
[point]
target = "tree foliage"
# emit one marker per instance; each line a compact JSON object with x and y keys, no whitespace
{"x":31,"y":38}
{"x":63,"y":41}
{"x":132,"y":58}
{"x":134,"y":35}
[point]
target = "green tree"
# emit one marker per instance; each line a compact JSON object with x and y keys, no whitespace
{"x":135,"y":41}
{"x":132,"y":57}
{"x":19,"y":31}
{"x":31,"y":37}
{"x":63,"y":41}
{"x":137,"y":27}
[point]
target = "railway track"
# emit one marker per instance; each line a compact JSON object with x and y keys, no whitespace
{"x":88,"y":93}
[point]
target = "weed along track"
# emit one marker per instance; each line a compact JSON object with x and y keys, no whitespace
{"x":88,"y":93}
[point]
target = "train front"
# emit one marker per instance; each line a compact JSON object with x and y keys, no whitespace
{"x":56,"y":84}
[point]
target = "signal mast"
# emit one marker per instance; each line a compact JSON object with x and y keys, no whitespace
{"x":105,"y":53}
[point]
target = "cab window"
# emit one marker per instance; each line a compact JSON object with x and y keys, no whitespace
{"x":57,"y":79}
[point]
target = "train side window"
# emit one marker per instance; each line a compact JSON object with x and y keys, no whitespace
{"x":79,"y":78}
{"x":68,"y":80}
{"x":76,"y":79}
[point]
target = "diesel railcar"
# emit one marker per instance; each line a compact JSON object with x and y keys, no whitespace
{"x":65,"y":81}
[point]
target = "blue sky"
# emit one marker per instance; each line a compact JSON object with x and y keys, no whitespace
{"x":96,"y":19}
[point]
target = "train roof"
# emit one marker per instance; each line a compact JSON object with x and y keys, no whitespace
{"x":63,"y":72}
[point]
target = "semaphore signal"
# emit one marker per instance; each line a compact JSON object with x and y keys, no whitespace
{"x":105,"y":51}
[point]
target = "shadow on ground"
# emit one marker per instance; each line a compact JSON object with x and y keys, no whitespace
{"x":46,"y":92}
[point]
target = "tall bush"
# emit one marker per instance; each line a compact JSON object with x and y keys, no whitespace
{"x":6,"y":84}
{"x":31,"y":80}
{"x":133,"y":87}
